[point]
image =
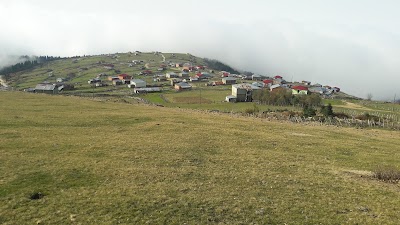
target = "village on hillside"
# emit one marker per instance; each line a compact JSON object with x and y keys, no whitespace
{"x":144,"y":73}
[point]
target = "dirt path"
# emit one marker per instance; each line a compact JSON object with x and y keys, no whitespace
{"x":163,"y":57}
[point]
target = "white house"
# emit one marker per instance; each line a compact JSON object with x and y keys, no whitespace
{"x":137,"y":83}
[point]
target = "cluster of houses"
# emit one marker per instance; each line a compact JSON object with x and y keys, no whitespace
{"x":188,"y":67}
{"x":243,"y":92}
{"x":243,"y":85}
{"x":139,"y":85}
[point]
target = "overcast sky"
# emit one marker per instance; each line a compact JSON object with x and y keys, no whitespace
{"x":351,"y":44}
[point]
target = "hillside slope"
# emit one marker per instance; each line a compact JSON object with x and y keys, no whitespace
{"x":94,"y":162}
{"x":79,"y":70}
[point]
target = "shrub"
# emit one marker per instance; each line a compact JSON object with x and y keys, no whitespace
{"x":308,"y":111}
{"x":253,"y":110}
{"x":387,"y":174}
{"x":327,"y":110}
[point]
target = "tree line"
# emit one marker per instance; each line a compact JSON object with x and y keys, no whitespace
{"x":28,"y":63}
{"x":284,"y":97}
{"x":217,"y":65}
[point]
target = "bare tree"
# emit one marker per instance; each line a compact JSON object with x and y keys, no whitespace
{"x":369,"y":96}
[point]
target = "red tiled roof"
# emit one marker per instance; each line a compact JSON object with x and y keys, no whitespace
{"x":267,"y":81}
{"x":300,"y":88}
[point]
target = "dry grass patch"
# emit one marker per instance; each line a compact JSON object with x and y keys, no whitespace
{"x":388,"y":174}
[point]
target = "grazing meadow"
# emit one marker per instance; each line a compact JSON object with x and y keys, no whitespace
{"x":65,"y":159}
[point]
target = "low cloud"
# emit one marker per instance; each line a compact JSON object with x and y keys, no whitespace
{"x":359,"y":57}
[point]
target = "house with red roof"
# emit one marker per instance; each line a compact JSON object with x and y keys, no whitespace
{"x":278,"y":80}
{"x":299,"y":90}
{"x":203,"y":76}
{"x":224,"y":74}
{"x":267,"y":82}
{"x":124,"y":77}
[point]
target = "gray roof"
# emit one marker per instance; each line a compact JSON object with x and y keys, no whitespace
{"x":258,"y":84}
{"x":275,"y":86}
{"x":151,"y":89}
{"x":184,"y":85}
{"x":228,"y":78}
{"x":137,"y":81}
{"x":246,"y":86}
{"x":45,"y":87}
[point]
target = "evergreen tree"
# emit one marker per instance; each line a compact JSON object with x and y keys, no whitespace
{"x":327,"y":111}
{"x":308,"y":111}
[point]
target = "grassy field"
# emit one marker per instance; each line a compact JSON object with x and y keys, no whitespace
{"x":71,"y":160}
{"x":208,"y":98}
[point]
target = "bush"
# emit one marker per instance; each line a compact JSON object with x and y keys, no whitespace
{"x":253,"y":110}
{"x":387,"y":174}
{"x":308,"y":111}
{"x":327,"y":110}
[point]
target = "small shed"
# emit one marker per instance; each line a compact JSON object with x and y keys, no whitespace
{"x":183,"y":86}
{"x":230,"y":98}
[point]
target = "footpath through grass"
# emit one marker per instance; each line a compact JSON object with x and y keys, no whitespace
{"x":68,"y":159}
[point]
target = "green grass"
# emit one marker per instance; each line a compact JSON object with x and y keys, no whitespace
{"x":99,"y":162}
{"x":212,"y":98}
{"x":333,"y":102}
